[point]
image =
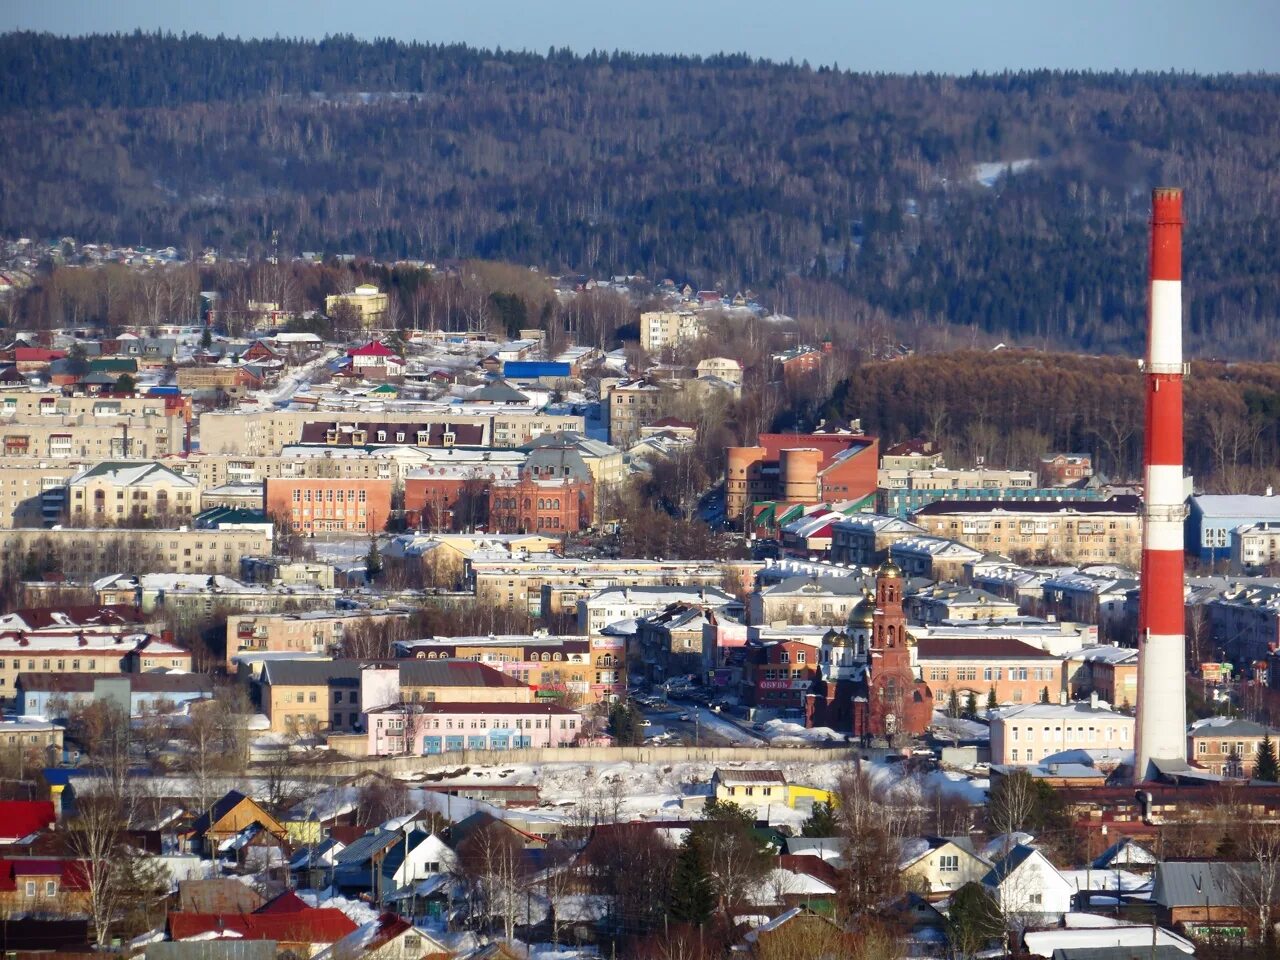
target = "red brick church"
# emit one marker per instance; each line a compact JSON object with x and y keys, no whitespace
{"x":867,"y":684}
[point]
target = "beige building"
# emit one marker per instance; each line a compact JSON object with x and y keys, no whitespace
{"x":33,"y":492}
{"x":265,"y":433}
{"x":548,"y":586}
{"x":199,"y":593}
{"x":90,"y":553}
{"x":660,"y":329}
{"x":1080,"y":531}
{"x":224,"y":469}
{"x":864,"y":539}
{"x":124,"y":492}
{"x":633,"y":404}
{"x":366,"y":300}
{"x":84,"y":651}
{"x":724,"y":368}
{"x":315,"y":631}
{"x":1022,"y":736}
{"x":1227,"y":745}
{"x":86,"y":437}
{"x":941,"y":865}
{"x":750,"y":788}
{"x":908,"y":478}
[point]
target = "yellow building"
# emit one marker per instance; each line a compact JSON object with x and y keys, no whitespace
{"x":122,"y":492}
{"x":366,"y":300}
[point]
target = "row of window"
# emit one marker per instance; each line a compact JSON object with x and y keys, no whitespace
{"x":1081,"y":733}
{"x":304,"y":496}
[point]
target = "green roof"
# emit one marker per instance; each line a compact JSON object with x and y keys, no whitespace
{"x":114,"y":365}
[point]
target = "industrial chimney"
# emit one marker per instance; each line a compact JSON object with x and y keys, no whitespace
{"x":1162,"y":690}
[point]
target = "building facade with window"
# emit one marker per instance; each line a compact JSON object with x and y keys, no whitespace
{"x":1079,"y":531}
{"x":318,"y":506}
{"x":1025,"y":736}
{"x":1018,"y":672}
{"x":420,"y":728}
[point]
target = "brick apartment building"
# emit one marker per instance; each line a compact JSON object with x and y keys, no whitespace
{"x":314,"y":505}
{"x":801,"y":468}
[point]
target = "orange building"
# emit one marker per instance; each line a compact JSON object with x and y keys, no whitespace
{"x":347,"y":505}
{"x":801,"y":468}
{"x":1018,"y":672}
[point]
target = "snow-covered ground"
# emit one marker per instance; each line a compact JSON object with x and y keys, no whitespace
{"x":780,"y":732}
{"x":989,"y":172}
{"x":945,"y":727}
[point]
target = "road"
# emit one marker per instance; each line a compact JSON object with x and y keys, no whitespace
{"x":708,"y":730}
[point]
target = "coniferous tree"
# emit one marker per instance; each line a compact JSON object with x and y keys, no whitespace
{"x":953,"y":704}
{"x":821,"y":823}
{"x":373,"y":561}
{"x":1044,"y":695}
{"x":992,"y":702}
{"x":971,"y":706}
{"x":1264,"y":764}
{"x":692,"y":897}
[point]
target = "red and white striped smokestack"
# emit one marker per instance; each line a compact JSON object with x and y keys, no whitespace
{"x":1161,"y":734}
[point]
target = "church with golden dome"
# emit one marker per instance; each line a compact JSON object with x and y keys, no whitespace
{"x":867,"y":685}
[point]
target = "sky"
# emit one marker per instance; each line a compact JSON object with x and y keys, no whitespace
{"x":944,"y":36}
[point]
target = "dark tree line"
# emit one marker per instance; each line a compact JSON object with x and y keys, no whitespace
{"x":1011,"y":406}
{"x":723,"y":170}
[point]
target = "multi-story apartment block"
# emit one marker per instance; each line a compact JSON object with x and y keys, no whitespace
{"x":580,"y":670}
{"x":310,"y":631}
{"x":314,"y":506}
{"x":948,"y":601}
{"x":1093,"y":595}
{"x":633,"y":404}
{"x":660,"y":329}
{"x":33,"y":492}
{"x":549,"y":586}
{"x":1244,"y":620}
{"x":631,"y":603}
{"x":1024,"y":736}
{"x":90,"y":553}
{"x":200,"y":593}
{"x":1255,"y":545}
{"x":1105,"y":670}
{"x":265,"y":433}
{"x":1212,"y":517}
{"x":864,"y":539}
{"x":124,"y":492}
{"x":808,"y":599}
{"x":84,"y":650}
{"x":47,"y":425}
{"x":917,"y":454}
{"x":933,"y":558}
{"x":1074,"y":531}
{"x":801,"y":468}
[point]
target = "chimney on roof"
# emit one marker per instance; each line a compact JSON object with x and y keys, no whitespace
{"x":1062,"y":698}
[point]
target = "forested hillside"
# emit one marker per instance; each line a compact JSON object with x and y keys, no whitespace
{"x":1011,"y":406}
{"x":849,"y":194}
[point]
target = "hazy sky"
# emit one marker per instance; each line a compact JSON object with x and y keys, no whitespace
{"x":890,"y":35}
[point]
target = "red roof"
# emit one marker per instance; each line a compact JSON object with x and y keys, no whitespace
{"x":37,"y":355}
{"x":71,"y":872}
{"x":372,"y":349}
{"x":287,"y":902}
{"x":21,"y":818}
{"x":313,"y":925}
{"x":977,"y":648}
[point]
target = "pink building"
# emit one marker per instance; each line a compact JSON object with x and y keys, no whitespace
{"x":446,"y":727}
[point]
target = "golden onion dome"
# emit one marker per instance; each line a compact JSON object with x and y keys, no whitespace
{"x":889,"y":569}
{"x":863,"y":612}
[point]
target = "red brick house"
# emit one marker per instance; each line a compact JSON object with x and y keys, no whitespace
{"x":530,"y":505}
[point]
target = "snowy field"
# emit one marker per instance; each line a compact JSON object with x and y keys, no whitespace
{"x":988,"y":173}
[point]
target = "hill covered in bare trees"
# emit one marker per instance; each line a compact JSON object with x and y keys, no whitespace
{"x":849,"y":194}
